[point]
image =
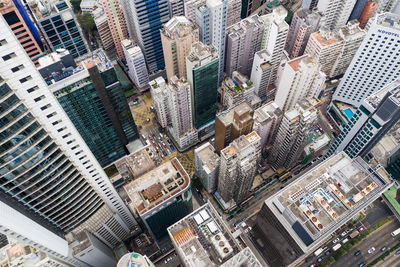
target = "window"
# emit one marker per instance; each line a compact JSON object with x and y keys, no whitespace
{"x":9,"y":56}
{"x":27,"y":78}
{"x":30,"y":90}
{"x":3,"y":42}
{"x":37,"y":99}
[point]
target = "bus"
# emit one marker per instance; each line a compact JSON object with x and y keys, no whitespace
{"x":396,"y":232}
{"x":318,"y":251}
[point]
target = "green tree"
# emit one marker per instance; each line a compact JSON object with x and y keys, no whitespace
{"x":76,"y":4}
{"x":86,"y":21}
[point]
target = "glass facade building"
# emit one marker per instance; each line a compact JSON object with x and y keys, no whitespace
{"x":35,"y":172}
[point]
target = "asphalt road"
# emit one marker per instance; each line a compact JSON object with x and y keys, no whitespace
{"x":390,"y":261}
{"x":378,"y":239}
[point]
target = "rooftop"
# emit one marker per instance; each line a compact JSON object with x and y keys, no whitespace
{"x":393,"y":88}
{"x":265,"y":112}
{"x":237,"y":84}
{"x":330,"y":194}
{"x":227,"y":117}
{"x":207,"y":154}
{"x":306,"y":60}
{"x":158,"y":185}
{"x":203,"y":239}
{"x":46,"y":8}
{"x":239,"y":28}
{"x":236,"y":147}
{"x":200,"y":52}
{"x":389,"y":20}
{"x":352,"y":30}
{"x":325,"y":38}
{"x":179,"y":27}
{"x":134,"y":259}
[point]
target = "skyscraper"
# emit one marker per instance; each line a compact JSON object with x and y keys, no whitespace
{"x":336,"y":12}
{"x":309,"y":4}
{"x":202,"y":72}
{"x":159,"y":95}
{"x":176,"y":8}
{"x":211,"y":18}
{"x":376,"y":62}
{"x":325,"y":47}
{"x":177,"y":36}
{"x":207,"y":166}
{"x":297,"y":80}
{"x":261,"y":74}
{"x":304,"y":23}
{"x":373,"y":119}
{"x":368,"y":12}
{"x":274,"y":38}
{"x":86,"y":97}
{"x":352,"y":36}
{"x":116,"y":23}
{"x":238,"y":167}
{"x":243,"y":39}
{"x":137,"y":64}
{"x":58,"y":24}
{"x":234,"y":10}
{"x":232,"y":124}
{"x":357,"y":10}
{"x":144,"y":25}
{"x":294,"y":132}
{"x":100,"y":19}
{"x":49,"y":173}
{"x":22,"y":26}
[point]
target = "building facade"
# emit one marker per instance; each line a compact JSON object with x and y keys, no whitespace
{"x":261,"y":74}
{"x":177,"y":36}
{"x":238,"y":167}
{"x":159,"y":94}
{"x":136,"y":63}
{"x":202,"y":75}
{"x":304,"y":23}
{"x":243,"y":40}
{"x":59,"y":26}
{"x":207,"y":166}
{"x":367,"y":13}
{"x":100,"y":19}
{"x":376,"y":115}
{"x":176,"y":8}
{"x":371,"y":69}
{"x":336,"y":12}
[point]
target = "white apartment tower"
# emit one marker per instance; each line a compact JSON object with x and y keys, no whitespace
{"x":159,"y":94}
{"x":136,"y":64}
{"x":243,"y":40}
{"x":238,"y":167}
{"x":274,"y":38}
{"x":295,"y":130}
{"x":234,"y":10}
{"x":325,"y":47}
{"x":45,"y":156}
{"x":376,"y":62}
{"x":336,"y":12}
{"x":298,"y":77}
{"x":261,"y":74}
{"x":352,"y":37}
{"x":207,"y":166}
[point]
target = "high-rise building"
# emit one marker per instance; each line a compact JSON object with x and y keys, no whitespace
{"x":87,"y":98}
{"x":176,"y":8}
{"x":274,"y":38}
{"x":376,"y":115}
{"x":49,"y":173}
{"x":58,"y":24}
{"x":367,"y":13}
{"x":219,"y":246}
{"x":211,"y":18}
{"x":352,"y":37}
{"x":116,"y":23}
{"x":180,"y":109}
{"x":234,"y":10}
{"x":304,"y":23}
{"x":136,"y":63}
{"x":300,"y":218}
{"x":207,"y":166}
{"x":294,"y":132}
{"x":22,"y":26}
{"x":375,"y":63}
{"x":249,"y":7}
{"x":238,"y":89}
{"x":232,"y":124}
{"x":177,"y":36}
{"x":298,"y":77}
{"x":159,"y":95}
{"x":145,"y":19}
{"x":357,"y":10}
{"x":202,"y":75}
{"x":336,"y":12}
{"x":243,"y":39}
{"x":161,"y":197}
{"x":267,"y":119}
{"x":261,"y":74}
{"x":134,"y":259}
{"x":309,"y":4}
{"x":100,"y":19}
{"x":239,"y":162}
{"x":387,"y":6}
{"x":325,"y":47}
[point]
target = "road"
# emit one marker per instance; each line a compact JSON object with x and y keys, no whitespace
{"x":391,"y":260}
{"x":377,"y":239}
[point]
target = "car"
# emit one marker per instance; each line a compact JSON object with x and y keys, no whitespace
{"x":357,"y":253}
{"x":362,"y":264}
{"x":336,"y":240}
{"x":229,"y":218}
{"x":371,"y":250}
{"x":296,"y":172}
{"x":344,"y":233}
{"x":313,"y":265}
{"x":320,"y":259}
{"x":172,"y":147}
{"x":308,"y":259}
{"x":398,"y":252}
{"x":165,"y":262}
{"x":384,"y":248}
{"x":362,"y":228}
{"x":327,"y":252}
{"x":321,"y":130}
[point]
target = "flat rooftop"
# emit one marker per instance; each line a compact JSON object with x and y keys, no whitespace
{"x":208,"y":156}
{"x":328,"y":195}
{"x":325,"y":38}
{"x":158,"y":185}
{"x":377,"y":97}
{"x":389,"y":20}
{"x":227,"y":117}
{"x":98,"y":58}
{"x":265,"y":112}
{"x":46,"y":8}
{"x":203,"y":239}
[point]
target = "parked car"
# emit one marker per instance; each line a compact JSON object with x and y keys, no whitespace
{"x":336,"y":240}
{"x":357,"y":253}
{"x":229,"y":218}
{"x":344,"y":233}
{"x":362,"y":264}
{"x":327,"y":252}
{"x":384,"y":248}
{"x":371,"y":250}
{"x":398,"y":252}
{"x":320,"y":259}
{"x":362,"y":228}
